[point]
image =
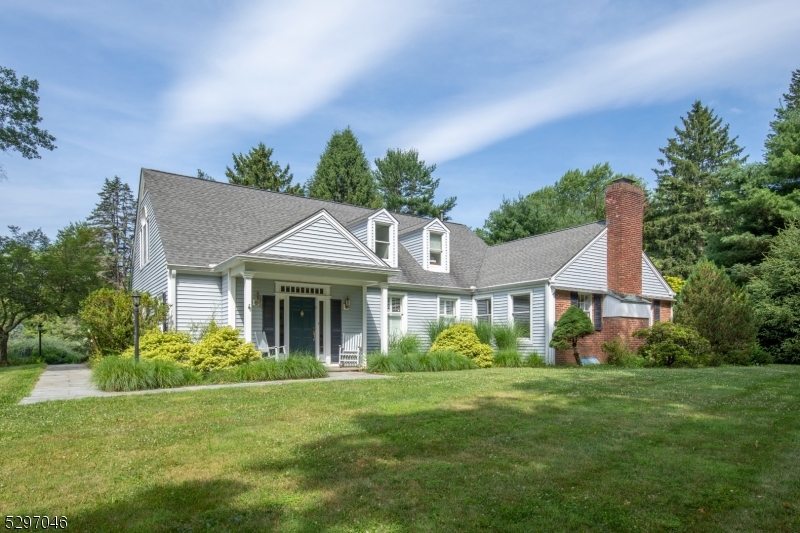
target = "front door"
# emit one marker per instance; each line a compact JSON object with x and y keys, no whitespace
{"x":302,"y":321}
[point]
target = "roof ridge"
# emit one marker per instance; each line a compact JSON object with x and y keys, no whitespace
{"x":547,"y":233}
{"x":371,"y":209}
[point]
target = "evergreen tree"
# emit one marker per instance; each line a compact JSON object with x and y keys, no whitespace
{"x":776,"y":297}
{"x":203,"y":176}
{"x":256,"y":169}
{"x":688,"y":180}
{"x":407,"y":185}
{"x":576,"y":198}
{"x":573,"y":325}
{"x":115,"y":217}
{"x":343,"y":173}
{"x":19,"y":117}
{"x":791,"y":100}
{"x":721,"y":312}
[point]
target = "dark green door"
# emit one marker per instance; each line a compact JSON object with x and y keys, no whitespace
{"x":302,"y":320}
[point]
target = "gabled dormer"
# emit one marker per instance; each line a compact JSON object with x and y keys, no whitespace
{"x":430,"y":246}
{"x":379,"y":233}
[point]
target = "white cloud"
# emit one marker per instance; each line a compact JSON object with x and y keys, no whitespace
{"x":275,"y":62}
{"x":709,"y":46}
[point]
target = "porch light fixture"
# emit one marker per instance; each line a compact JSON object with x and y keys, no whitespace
{"x":257,"y":299}
{"x":346,"y":303}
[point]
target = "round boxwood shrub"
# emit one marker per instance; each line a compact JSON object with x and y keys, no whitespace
{"x":221,"y":348}
{"x":674,"y":345}
{"x":168,"y":346}
{"x":462,"y":339}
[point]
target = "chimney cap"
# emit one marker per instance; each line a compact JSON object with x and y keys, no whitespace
{"x":624,"y":180}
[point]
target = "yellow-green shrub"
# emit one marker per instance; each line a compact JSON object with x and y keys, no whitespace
{"x":170,"y":346}
{"x":462,"y":339}
{"x":221,"y":348}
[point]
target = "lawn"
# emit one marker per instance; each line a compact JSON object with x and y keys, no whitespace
{"x":483,"y":450}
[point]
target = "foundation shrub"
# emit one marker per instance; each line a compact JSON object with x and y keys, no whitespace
{"x":169,"y":346}
{"x":436,"y":327}
{"x":619,"y":353}
{"x":221,"y":348}
{"x":461,"y":338}
{"x":673,"y":345}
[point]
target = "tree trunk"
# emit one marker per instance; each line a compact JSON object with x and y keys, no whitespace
{"x":3,"y":348}
{"x":575,"y":352}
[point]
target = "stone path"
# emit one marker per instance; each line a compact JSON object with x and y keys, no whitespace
{"x":69,"y":382}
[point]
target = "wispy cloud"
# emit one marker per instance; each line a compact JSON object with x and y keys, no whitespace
{"x":276,"y":62}
{"x":703,"y":47}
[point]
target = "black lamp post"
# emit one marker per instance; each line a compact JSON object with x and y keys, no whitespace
{"x":40,"y":340}
{"x":136,"y":327}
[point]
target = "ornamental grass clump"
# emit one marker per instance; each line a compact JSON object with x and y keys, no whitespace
{"x":461,"y":338}
{"x":438,"y":361}
{"x":619,"y":353}
{"x":435,"y":327}
{"x":507,"y":359}
{"x":294,"y":367}
{"x":484,"y":331}
{"x":506,"y":337}
{"x":221,"y":348}
{"x":404,"y":343}
{"x":118,"y":374}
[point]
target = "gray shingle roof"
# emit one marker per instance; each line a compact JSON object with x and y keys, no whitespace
{"x":205,"y":222}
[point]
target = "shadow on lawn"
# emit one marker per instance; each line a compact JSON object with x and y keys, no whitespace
{"x":189,"y":506}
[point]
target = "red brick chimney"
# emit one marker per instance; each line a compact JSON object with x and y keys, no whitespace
{"x":625,"y":217}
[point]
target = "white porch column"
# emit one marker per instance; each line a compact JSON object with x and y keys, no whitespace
{"x":326,"y":312}
{"x":231,"y":299}
{"x":384,"y":318}
{"x":364,"y":320}
{"x":248,"y":311}
{"x":550,"y":323}
{"x":172,"y":297}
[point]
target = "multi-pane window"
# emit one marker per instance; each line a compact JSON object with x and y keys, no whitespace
{"x":435,"y":241}
{"x":483,"y":310}
{"x":585,"y":303}
{"x":395,"y":315}
{"x":383,"y":241}
{"x":447,"y":307}
{"x":521,"y":312}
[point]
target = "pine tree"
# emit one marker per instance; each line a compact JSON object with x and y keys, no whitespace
{"x":256,"y":169}
{"x":407,"y":185}
{"x":115,"y":217}
{"x":688,"y":180}
{"x":721,"y":312}
{"x":343,"y":173}
{"x":203,"y":176}
{"x":791,"y":100}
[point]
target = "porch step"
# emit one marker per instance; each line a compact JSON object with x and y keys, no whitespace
{"x":337,"y":368}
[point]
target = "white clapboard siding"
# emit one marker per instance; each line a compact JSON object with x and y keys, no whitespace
{"x":500,"y":307}
{"x":466,"y":309}
{"x":351,"y":318}
{"x":588,"y":271}
{"x":373,"y":320}
{"x":320,"y":240}
{"x":152,"y":277}
{"x":360,"y":231}
{"x":652,"y":283}
{"x":422,"y":308}
{"x":538,"y":327}
{"x":382,"y":216}
{"x":240,"y":304}
{"x":413,"y":243}
{"x":198,"y":300}
{"x":223,"y":302}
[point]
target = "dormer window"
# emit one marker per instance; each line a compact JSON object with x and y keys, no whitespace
{"x":436,"y":249}
{"x":383,"y":242}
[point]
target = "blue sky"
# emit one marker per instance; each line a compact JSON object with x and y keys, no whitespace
{"x":503,"y":96}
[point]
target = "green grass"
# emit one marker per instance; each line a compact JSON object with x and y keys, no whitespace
{"x":16,"y":382}
{"x":519,"y":449}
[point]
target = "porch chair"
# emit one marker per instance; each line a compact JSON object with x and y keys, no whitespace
{"x":350,"y":350}
{"x":267,"y":351}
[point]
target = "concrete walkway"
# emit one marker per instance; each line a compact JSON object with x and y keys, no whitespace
{"x":69,"y":382}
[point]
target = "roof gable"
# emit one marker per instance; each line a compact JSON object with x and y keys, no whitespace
{"x":588,"y":269}
{"x":319,"y":237}
{"x":653,"y":283}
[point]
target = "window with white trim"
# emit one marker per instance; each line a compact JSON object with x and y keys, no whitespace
{"x":395,"y":315}
{"x":521,"y":314}
{"x":383,"y":241}
{"x":585,"y":303}
{"x":447,"y":307}
{"x":144,"y":240}
{"x":483,"y":310}
{"x":436,"y":249}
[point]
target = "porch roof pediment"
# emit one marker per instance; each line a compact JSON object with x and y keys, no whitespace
{"x":319,"y":237}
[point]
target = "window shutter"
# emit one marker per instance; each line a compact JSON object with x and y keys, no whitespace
{"x":573,"y":296}
{"x":656,"y":311}
{"x":268,"y":318}
{"x":336,"y":329}
{"x":598,"y":311}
